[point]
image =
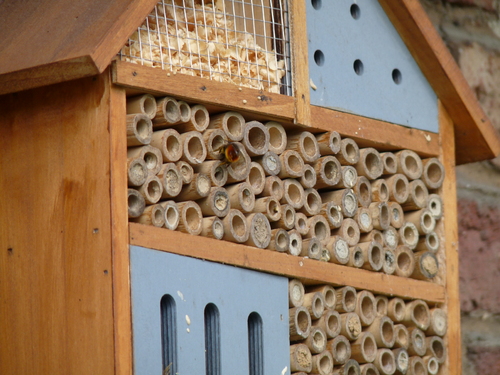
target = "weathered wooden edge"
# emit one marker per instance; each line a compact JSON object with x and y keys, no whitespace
{"x":311,"y":271}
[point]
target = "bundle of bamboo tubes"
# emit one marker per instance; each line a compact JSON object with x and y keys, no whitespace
{"x":347,"y":331}
{"x":311,"y":195}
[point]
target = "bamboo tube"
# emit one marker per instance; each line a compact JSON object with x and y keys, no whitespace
{"x":185,"y":111}
{"x":382,"y":329}
{"x":287,"y":219}
{"x":389,"y":266}
{"x":348,"y":178}
{"x":259,"y":230}
{"x":431,"y":364}
{"x":368,"y":369}
{"x":405,"y":261}
{"x":398,"y":186}
{"x":292,"y":164}
{"x":277,"y":137}
{"x":151,"y":190}
{"x":329,"y":295}
{"x":137,"y":172}
{"x":294,"y":194}
{"x":215,"y":140}
{"x":396,"y":309}
{"x":349,"y":152}
{"x":410,"y":164}
{"x":308,"y":179}
{"x":217,"y":203}
{"x":305,"y":144}
{"x":256,"y":178}
{"x":212,"y":227}
{"x":351,"y":367}
{"x":238,"y":171}
{"x":391,"y":238}
{"x":296,"y":293}
{"x":380,"y":191}
{"x":194,"y":150}
{"x":356,"y":257}
{"x":328,"y":143}
{"x":136,"y":203}
{"x":390,"y":163}
{"x":232,"y":123}
{"x":364,"y":220}
{"x":365,"y":307}
{"x":169,"y":142}
{"x":429,"y":242}
{"x":381,"y":305}
{"x":255,"y":138}
{"x":311,"y":248}
{"x":349,"y":230}
{"x":435,"y":206}
{"x":401,"y":358}
{"x":241,"y":196}
{"x":300,"y":358}
{"x":270,"y":163}
{"x":145,"y":104}
{"x":198,"y":120}
{"x":152,"y":215}
{"x":190,"y":218}
{"x":167,"y":113}
{"x":370,"y":163}
{"x":374,"y":235}
{"x":422,"y":219}
{"x":417,"y":313}
{"x":171,"y":181}
{"x":408,"y":235}
{"x":385,"y":361}
{"x":364,"y":349}
{"x":417,"y":345}
{"x":418,"y":196}
{"x":186,"y":170}
{"x":346,"y":299}
{"x":402,"y":336}
{"x":345,"y":198}
{"x":328,"y":171}
{"x":299,"y":323}
{"x":338,"y":250}
{"x":340,"y":349}
{"x":380,"y":215}
{"x":235,"y":227}
{"x":333,"y":214}
{"x":416,"y":366}
{"x":315,"y":304}
{"x":312,"y":202}
{"x":363,"y":191}
{"x":435,"y":347}
{"x":374,"y":255}
{"x":269,"y":206}
{"x":438,"y":324}
{"x":301,"y":224}
{"x":322,"y":363}
{"x":139,"y":130}
{"x":172,"y":214}
{"x":316,"y":341}
{"x":151,"y":156}
{"x":215,"y":170}
{"x":273,"y":187}
{"x":330,"y":323}
{"x":426,"y":265}
{"x":295,"y":245}
{"x":433,"y":173}
{"x":350,"y":326}
{"x":280,"y":240}
{"x":318,"y":228}
{"x":396,"y":215}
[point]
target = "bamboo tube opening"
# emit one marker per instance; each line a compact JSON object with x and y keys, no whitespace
{"x":315,"y":304}
{"x":364,"y":220}
{"x":301,"y":223}
{"x":368,"y":369}
{"x":396,"y":309}
{"x":349,"y":230}
{"x":231,"y":123}
{"x":427,"y":265}
{"x":270,"y":207}
{"x":408,"y":235}
{"x":351,"y":325}
{"x":137,"y":172}
{"x":167,"y":112}
{"x":324,"y":365}
{"x":433,"y":174}
{"x":277,"y":137}
{"x":351,"y":367}
{"x":430,"y":242}
{"x":389,"y":162}
{"x":338,"y":250}
{"x":402,"y":336}
{"x":172,"y":181}
{"x":365,"y":307}
{"x":287,"y":216}
{"x":391,"y":238}
{"x":396,"y":215}
{"x":295,"y":244}
{"x":192,"y":218}
{"x":435,"y":206}
{"x":300,"y":323}
{"x":329,"y":296}
{"x":199,"y":117}
{"x":349,"y":177}
{"x":169,"y":143}
{"x":387,"y":332}
{"x":364,"y":349}
{"x":375,"y":256}
{"x":309,"y":147}
{"x":340,"y":349}
{"x":143,"y":130}
{"x":255,"y":138}
{"x":410,"y":164}
{"x":318,"y":228}
{"x":417,"y":312}
{"x":349,"y":151}
{"x":235,"y":228}
{"x":400,"y":188}
{"x":173,"y":146}
{"x":356,"y":259}
{"x":312,"y":203}
{"x":431,"y":364}
{"x":213,"y":227}
{"x":385,"y":361}
{"x":402,"y":360}
{"x":145,"y":104}
{"x":184,"y":111}
{"x":436,"y":348}
{"x":259,"y":230}
{"x":417,"y":366}
{"x":292,"y":164}
{"x":380,"y":215}
{"x":136,"y":203}
{"x":329,"y":142}
{"x":381,"y":305}
{"x":172,"y":216}
{"x":439,"y":322}
{"x":280,"y":240}
{"x":270,"y":162}
{"x":318,"y":339}
{"x":274,"y":187}
{"x":151,"y":190}
{"x":153,"y":215}
{"x":389,"y":266}
{"x":294,"y":194}
{"x":328,"y":170}
{"x":215,"y":140}
{"x":331,"y":322}
{"x":363,"y":191}
{"x":333,"y":214}
{"x":428,"y":222}
{"x":296,"y":293}
{"x":405,"y":261}
{"x":308,"y":179}
{"x":370,"y":164}
{"x":256,"y":178}
{"x":186,"y":171}
{"x":300,"y":358}
{"x":346,"y":299}
{"x":195,"y":151}
{"x":218,"y":175}
{"x":380,"y":191}
{"x":350,"y":204}
{"x":417,"y":346}
{"x":313,"y":248}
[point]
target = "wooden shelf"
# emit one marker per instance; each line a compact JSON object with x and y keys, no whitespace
{"x":308,"y":270}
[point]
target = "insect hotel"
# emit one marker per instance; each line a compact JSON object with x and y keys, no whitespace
{"x":231,"y":187}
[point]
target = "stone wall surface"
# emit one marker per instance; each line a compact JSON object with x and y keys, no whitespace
{"x":471,"y":30}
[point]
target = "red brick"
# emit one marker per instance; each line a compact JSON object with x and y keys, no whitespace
{"x":486,"y":360}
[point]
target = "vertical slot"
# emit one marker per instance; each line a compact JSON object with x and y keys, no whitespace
{"x":255,"y":345}
{"x":168,"y":334}
{"x":212,"y":340}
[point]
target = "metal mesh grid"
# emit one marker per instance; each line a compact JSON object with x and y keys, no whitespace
{"x":245,"y":42}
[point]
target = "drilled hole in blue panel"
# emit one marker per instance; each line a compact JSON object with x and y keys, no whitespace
{"x":319,"y":57}
{"x":168,"y":334}
{"x":316,"y":4}
{"x":355,"y":11}
{"x":212,"y":340}
{"x":397,"y":77}
{"x":255,"y":345}
{"x":358,"y":67}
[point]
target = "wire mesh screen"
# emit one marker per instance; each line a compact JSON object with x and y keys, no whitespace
{"x":245,"y":42}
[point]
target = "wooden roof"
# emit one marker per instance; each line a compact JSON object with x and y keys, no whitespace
{"x":48,"y":41}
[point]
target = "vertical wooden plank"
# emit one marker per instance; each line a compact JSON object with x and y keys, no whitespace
{"x":449,"y":194}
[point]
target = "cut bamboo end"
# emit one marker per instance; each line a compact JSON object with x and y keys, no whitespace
{"x":374,"y":255}
{"x":435,"y":206}
{"x":349,"y":152}
{"x":305,"y":144}
{"x":402,"y":336}
{"x":382,"y":329}
{"x":299,"y":323}
{"x":292,"y":164}
{"x":318,"y":228}
{"x":295,"y":244}
{"x":300,"y":358}
{"x":418,"y":196}
{"x":349,"y":230}
{"x":296,"y":293}
{"x":215,"y":140}
{"x":433,"y":173}
{"x":435,"y":347}
{"x":287,"y":219}
{"x":417,"y":313}
{"x":439,"y":323}
{"x":396,"y":215}
{"x":280,"y":240}
{"x":408,"y":235}
{"x":348,"y":178}
{"x":356,"y":257}
{"x":364,"y":349}
{"x":322,"y":363}
{"x":151,"y":155}
{"x":273,"y":187}
{"x":426,"y":265}
{"x":241,"y":196}
{"x":185,"y":111}
{"x":380,"y":215}
{"x":402,"y":360}
{"x":389,"y":162}
{"x":350,"y":325}
{"x":186,"y":171}
{"x":191,"y":218}
{"x":232,"y":123}
{"x":333,"y":214}
{"x":365,"y":307}
{"x":311,"y":248}
{"x":137,"y":172}
{"x":364,"y":219}
{"x":269,"y":206}
{"x":301,"y":224}
{"x":316,"y":341}
{"x":380,"y":191}
{"x":216,"y":171}
{"x":374,"y":235}
{"x":405,"y":261}
{"x":328,"y":143}
{"x":417,"y":346}
{"x":396,"y":309}
{"x":197,"y":121}
{"x":381,"y":305}
{"x":346,"y":299}
{"x":217,"y":203}
{"x":259,"y":230}
{"x":255,"y":138}
{"x":169,"y":142}
{"x":398,"y":186}
{"x":391,"y":238}
{"x":389,"y":266}
{"x":270,"y":163}
{"x":171,"y":180}
{"x":328,"y":172}
{"x":194,"y":150}
{"x":370,"y":163}
{"x":410,"y":164}
{"x":277,"y":137}
{"x":293,"y":193}
{"x":431,"y":364}
{"x":145,"y":104}
{"x":167,"y":113}
{"x":330,"y":323}
{"x":235,"y":227}
{"x":152,"y":215}
{"x":256,"y":178}
{"x":422,"y":219}
{"x":151,"y":190}
{"x":350,"y":367}
{"x":136,"y":203}
{"x":329,"y":295}
{"x":308,"y":179}
{"x":198,"y":188}
{"x":338,"y":250}
{"x":312,"y":202}
{"x":385,"y":361}
{"x":139,"y":130}
{"x":369,"y":369}
{"x":416,"y":366}
{"x":238,"y":170}
{"x":363,"y":191}
{"x":212,"y":227}
{"x":172,"y":214}
{"x":344,"y":198}
{"x":340,"y":349}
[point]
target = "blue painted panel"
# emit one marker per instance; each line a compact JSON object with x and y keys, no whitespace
{"x":194,"y":283}
{"x":346,"y":31}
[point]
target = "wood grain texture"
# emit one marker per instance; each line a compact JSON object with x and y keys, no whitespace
{"x":476,"y":139}
{"x":56,"y":312}
{"x":310,"y":271}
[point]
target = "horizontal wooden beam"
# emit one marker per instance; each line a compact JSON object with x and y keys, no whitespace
{"x":308,"y":270}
